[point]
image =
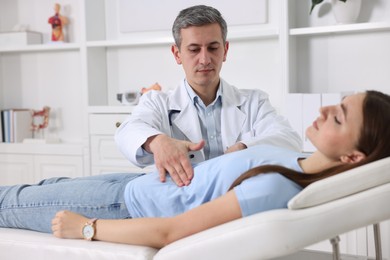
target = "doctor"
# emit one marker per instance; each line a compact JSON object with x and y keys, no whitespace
{"x":205,"y":116}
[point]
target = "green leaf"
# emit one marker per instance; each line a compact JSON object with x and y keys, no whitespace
{"x":316,"y":2}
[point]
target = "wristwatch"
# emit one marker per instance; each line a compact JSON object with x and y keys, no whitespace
{"x":89,"y":229}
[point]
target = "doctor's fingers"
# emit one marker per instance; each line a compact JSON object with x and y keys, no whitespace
{"x":180,"y":174}
{"x":162,"y":173}
{"x":176,"y":177}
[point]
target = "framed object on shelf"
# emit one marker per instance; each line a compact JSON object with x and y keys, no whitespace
{"x":132,"y":19}
{"x":20,"y":38}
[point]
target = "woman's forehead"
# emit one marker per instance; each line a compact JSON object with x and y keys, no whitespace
{"x":353,"y":106}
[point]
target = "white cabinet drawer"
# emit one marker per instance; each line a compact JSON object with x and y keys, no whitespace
{"x":105,"y":155}
{"x":16,"y":169}
{"x":106,"y":158}
{"x":105,"y":152}
{"x":48,"y":166}
{"x":105,"y":124}
{"x":23,"y":168}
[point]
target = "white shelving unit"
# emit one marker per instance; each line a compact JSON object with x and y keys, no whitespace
{"x":341,"y":29}
{"x":317,"y":49}
{"x":292,"y":52}
{"x":128,"y":61}
{"x":320,"y":56}
{"x":33,"y":76}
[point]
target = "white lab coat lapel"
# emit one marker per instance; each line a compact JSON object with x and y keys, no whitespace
{"x":231,"y":129}
{"x":178,"y":100}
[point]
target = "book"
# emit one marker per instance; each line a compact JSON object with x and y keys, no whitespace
{"x":2,"y":127}
{"x":22,"y":121}
{"x":16,"y":125}
{"x":6,"y":121}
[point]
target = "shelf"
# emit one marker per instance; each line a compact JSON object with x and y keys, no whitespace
{"x":41,"y":48}
{"x":165,"y":38}
{"x":131,"y":42}
{"x":249,"y":32}
{"x":49,"y":149}
{"x":341,"y":28}
{"x":110,"y":109}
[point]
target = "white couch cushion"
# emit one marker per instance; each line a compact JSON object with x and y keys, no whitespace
{"x":17,"y":244}
{"x":343,"y":184}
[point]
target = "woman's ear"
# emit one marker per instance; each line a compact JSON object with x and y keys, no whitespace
{"x":354,"y":157}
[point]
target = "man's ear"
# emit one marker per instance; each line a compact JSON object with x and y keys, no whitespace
{"x":176,"y":53}
{"x":226,"y":50}
{"x":354,"y":157}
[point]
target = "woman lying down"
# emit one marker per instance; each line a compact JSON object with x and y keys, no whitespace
{"x":140,"y":210}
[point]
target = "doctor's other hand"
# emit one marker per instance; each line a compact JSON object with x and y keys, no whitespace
{"x":236,"y":147}
{"x":171,"y":156}
{"x":67,"y":224}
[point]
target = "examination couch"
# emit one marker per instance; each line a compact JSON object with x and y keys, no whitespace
{"x":320,"y":212}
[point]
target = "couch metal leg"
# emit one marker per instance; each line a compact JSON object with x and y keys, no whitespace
{"x":377,"y":238}
{"x":336,"y":249}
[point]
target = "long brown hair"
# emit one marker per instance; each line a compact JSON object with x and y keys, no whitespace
{"x":374,"y":142}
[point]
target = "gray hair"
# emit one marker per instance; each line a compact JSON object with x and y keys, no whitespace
{"x":197,"y":15}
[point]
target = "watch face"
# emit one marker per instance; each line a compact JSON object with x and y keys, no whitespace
{"x":88,"y":231}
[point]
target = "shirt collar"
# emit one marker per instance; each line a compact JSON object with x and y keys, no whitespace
{"x":196,"y":99}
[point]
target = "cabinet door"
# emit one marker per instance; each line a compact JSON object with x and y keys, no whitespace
{"x":105,"y":156}
{"x":105,"y":124}
{"x":47,"y":166}
{"x":16,"y":169}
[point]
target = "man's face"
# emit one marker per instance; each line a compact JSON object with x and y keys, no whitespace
{"x":201,"y":53}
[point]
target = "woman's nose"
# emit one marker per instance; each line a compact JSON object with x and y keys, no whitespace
{"x":324,"y":111}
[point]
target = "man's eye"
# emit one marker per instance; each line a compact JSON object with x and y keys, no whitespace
{"x":337,"y":121}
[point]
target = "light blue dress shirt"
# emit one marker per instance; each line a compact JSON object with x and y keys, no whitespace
{"x":210,"y":121}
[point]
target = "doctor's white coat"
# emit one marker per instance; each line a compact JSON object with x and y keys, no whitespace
{"x":246,"y":116}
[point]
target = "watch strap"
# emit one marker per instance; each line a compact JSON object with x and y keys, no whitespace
{"x":92,"y":221}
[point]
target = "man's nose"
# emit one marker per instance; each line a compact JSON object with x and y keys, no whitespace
{"x":204,"y":57}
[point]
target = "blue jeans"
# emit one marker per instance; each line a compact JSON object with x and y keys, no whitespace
{"x":34,"y":206}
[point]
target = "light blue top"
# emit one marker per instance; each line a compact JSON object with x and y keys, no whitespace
{"x":146,"y":196}
{"x":210,"y":121}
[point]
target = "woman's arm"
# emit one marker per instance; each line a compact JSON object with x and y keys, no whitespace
{"x":153,"y":232}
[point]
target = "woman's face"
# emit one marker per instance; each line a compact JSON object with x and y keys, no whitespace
{"x":336,"y":131}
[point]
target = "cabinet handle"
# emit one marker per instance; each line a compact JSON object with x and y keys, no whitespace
{"x":118,"y":124}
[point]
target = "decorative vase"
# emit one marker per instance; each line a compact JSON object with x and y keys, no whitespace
{"x":346,"y":12}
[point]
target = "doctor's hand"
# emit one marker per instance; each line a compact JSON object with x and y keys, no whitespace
{"x":171,"y":155}
{"x":236,"y":147}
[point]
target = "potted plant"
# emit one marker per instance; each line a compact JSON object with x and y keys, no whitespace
{"x":316,"y":2}
{"x":344,"y":12}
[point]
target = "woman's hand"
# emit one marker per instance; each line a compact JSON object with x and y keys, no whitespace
{"x":67,"y":224}
{"x":236,"y":147}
